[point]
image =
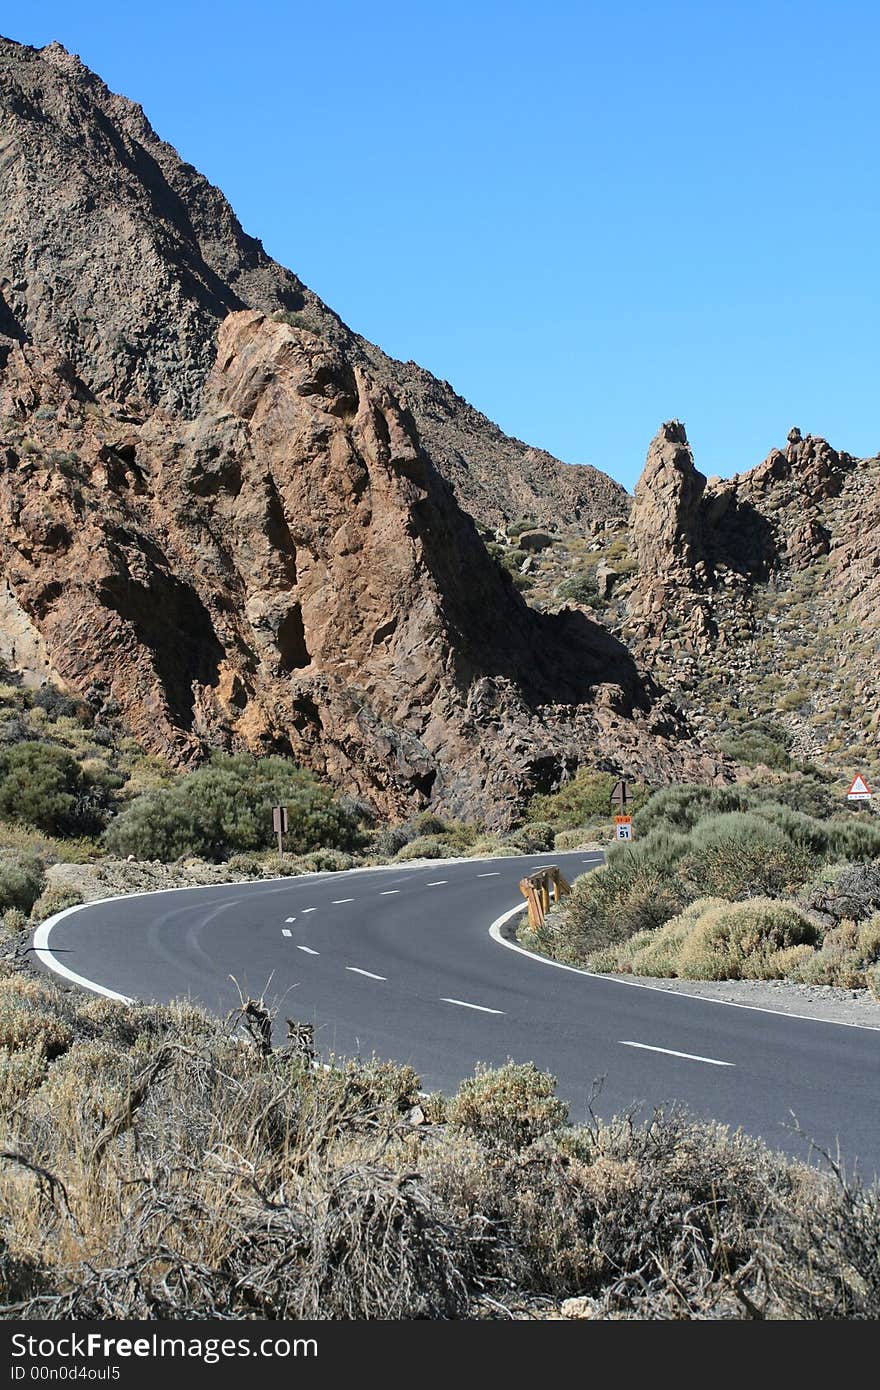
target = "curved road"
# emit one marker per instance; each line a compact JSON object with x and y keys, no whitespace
{"x":400,"y":962}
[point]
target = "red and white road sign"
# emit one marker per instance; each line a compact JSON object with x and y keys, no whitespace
{"x":859,"y":791}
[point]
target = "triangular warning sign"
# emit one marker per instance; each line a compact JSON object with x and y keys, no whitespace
{"x":859,"y":787}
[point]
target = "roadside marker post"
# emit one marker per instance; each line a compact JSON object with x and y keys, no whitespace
{"x":279,"y":825}
{"x":539,"y":890}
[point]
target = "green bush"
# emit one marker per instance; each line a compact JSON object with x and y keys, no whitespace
{"x":660,"y":848}
{"x":523,"y":523}
{"x":680,"y":807}
{"x":759,"y":741}
{"x":587,"y":796}
{"x":856,"y":838}
{"x":532,"y":839}
{"x":507,"y":1108}
{"x":22,"y":880}
{"x":426,"y":847}
{"x":611,"y":904}
{"x":226,"y":807}
{"x":42,"y":785}
{"x":740,"y":854}
{"x":807,"y":793}
{"x":580,"y":588}
{"x":580,"y":837}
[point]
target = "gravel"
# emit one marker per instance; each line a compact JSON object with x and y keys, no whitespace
{"x":823,"y":1002}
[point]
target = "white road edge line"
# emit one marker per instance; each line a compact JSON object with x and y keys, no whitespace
{"x":41,"y":950}
{"x":43,"y":931}
{"x":495,"y":931}
{"x":369,"y":974}
{"x":463,"y":1004}
{"x":688,"y":1056}
{"x":308,"y":950}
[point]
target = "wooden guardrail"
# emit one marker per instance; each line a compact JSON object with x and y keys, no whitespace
{"x":539,"y":890}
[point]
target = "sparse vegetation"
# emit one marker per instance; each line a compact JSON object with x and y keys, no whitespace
{"x":583,"y":799}
{"x":225,"y":808}
{"x":157,"y":1165}
{"x":729,"y":883}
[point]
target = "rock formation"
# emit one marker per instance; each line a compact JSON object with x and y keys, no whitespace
{"x":287,"y":570}
{"x":123,"y":258}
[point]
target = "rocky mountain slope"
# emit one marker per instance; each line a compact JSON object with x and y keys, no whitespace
{"x":120,"y":256}
{"x":755,"y":600}
{"x":234,"y":520}
{"x":288,"y":571}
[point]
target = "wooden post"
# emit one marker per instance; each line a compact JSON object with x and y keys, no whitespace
{"x":279,"y":825}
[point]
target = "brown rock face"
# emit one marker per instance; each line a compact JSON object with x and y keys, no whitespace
{"x":666,"y":520}
{"x":124,"y":259}
{"x":667,"y":523}
{"x":288,"y":571}
{"x":691,"y":535}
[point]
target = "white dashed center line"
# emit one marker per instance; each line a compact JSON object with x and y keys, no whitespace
{"x":494,"y":874}
{"x":387,"y":892}
{"x":285,"y":931}
{"x":290,"y":919}
{"x":463,"y":1004}
{"x":688,"y":1056}
{"x":336,"y":901}
{"x":369,"y":974}
{"x":310,"y":909}
{"x":435,"y":883}
{"x":308,"y":950}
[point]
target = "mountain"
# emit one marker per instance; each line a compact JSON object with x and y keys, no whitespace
{"x":120,"y":256}
{"x":241,"y":525}
{"x":755,"y":600}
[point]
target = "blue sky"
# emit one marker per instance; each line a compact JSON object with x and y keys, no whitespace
{"x":588,"y":217}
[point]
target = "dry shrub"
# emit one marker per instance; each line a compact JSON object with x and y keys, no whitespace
{"x":509,"y":1107}
{"x":847,"y":955}
{"x":54,"y":899}
{"x":378,"y":1244}
{"x":21,"y":1072}
{"x":611,"y":904}
{"x":171,"y":1169}
{"x":712,"y":939}
{"x":845,"y":891}
{"x":23,"y":1024}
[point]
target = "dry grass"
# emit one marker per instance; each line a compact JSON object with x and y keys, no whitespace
{"x":164,"y":1165}
{"x":712,"y":939}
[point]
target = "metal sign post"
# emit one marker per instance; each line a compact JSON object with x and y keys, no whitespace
{"x":279,"y":825}
{"x":620,"y":797}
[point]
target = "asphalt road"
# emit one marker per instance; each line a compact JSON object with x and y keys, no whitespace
{"x":400,"y":962}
